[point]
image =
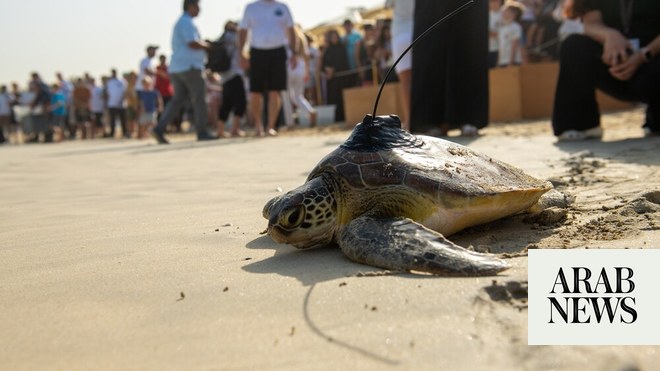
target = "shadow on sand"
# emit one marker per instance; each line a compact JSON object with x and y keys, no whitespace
{"x":309,"y":266}
{"x":630,"y":150}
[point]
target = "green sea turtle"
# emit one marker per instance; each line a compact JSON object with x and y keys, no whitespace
{"x":388,"y":199}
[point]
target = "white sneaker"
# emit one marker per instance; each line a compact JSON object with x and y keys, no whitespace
{"x":575,"y":135}
{"x":468,"y":130}
{"x":648,"y":133}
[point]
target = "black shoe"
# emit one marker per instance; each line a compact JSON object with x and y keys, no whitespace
{"x":205,"y":136}
{"x":159,"y":137}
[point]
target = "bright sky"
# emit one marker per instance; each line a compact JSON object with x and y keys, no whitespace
{"x":78,"y":36}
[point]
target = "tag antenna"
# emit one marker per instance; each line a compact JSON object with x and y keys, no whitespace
{"x":428,"y":30}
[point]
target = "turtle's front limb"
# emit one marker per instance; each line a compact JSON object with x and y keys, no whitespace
{"x":402,"y":244}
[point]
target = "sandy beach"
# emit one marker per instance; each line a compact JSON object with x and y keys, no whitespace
{"x":126,"y":255}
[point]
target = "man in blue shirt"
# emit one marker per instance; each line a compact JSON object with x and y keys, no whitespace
{"x":187,"y":74}
{"x":353,"y":41}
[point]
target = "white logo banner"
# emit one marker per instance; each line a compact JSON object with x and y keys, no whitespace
{"x":594,"y":297}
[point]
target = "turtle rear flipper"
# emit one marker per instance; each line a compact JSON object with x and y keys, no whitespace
{"x":402,"y":244}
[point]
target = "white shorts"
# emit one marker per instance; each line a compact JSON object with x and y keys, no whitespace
{"x":399,"y":43}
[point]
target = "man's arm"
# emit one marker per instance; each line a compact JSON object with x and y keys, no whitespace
{"x":292,"y":46}
{"x":242,"y":39}
{"x":199,"y":44}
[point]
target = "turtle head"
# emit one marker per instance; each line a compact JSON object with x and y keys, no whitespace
{"x":304,"y":217}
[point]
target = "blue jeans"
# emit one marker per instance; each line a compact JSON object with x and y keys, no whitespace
{"x":188,"y":85}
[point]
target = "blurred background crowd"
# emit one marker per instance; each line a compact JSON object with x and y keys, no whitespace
{"x":353,"y":50}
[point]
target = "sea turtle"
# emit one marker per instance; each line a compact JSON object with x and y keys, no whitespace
{"x":388,"y":199}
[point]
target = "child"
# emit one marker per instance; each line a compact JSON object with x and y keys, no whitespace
{"x":150,"y":103}
{"x":510,"y":35}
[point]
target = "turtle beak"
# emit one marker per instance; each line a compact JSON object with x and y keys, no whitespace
{"x":276,"y":233}
{"x":271,"y":215}
{"x":269,"y":205}
{"x":267,"y":215}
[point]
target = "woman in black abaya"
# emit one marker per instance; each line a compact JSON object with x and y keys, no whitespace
{"x":335,"y":61}
{"x":450,"y":68}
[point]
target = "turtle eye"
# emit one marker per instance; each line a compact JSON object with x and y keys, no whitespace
{"x":293,"y":217}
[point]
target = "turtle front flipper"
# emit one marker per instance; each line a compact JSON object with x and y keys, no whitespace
{"x":402,"y":244}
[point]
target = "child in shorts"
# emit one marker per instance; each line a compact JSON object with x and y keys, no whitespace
{"x":150,"y":104}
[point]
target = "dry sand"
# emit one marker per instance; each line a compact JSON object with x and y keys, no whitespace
{"x":131,"y":256}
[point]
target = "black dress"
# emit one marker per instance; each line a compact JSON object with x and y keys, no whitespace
{"x":335,"y":57}
{"x":450,"y":66}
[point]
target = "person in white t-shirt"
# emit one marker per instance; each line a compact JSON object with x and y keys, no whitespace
{"x":268,"y":25}
{"x":509,"y":35}
{"x":116,"y":91}
{"x":147,"y":66}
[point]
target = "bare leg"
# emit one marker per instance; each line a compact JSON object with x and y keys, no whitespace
{"x":274,"y":105}
{"x":287,"y":107}
{"x":220,"y":128}
{"x":236,"y":127}
{"x":58,"y":134}
{"x":405,"y":78}
{"x":256,"y":105}
{"x":212,"y":111}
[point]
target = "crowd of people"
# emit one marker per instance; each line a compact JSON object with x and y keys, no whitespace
{"x":129,"y":105}
{"x":278,"y":73}
{"x":85,"y":107}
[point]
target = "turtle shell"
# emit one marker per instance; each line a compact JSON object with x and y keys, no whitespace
{"x":379,"y":160}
